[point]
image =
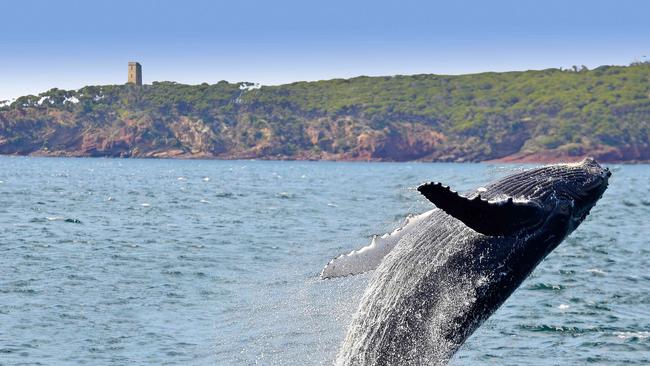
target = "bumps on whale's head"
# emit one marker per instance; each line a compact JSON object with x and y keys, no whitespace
{"x":590,"y":166}
{"x":584,"y":178}
{"x":579,"y":180}
{"x":582,"y":184}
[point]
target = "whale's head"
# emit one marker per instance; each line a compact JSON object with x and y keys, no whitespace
{"x":526,"y":200}
{"x":575,"y":187}
{"x":586,"y":188}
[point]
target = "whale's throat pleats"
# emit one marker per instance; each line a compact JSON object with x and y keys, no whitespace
{"x":493,"y":218}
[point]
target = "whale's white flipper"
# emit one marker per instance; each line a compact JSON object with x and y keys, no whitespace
{"x":369,"y":257}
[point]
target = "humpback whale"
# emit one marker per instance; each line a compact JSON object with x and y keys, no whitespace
{"x":452,"y":268}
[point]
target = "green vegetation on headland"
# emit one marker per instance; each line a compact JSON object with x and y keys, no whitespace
{"x":520,"y":116}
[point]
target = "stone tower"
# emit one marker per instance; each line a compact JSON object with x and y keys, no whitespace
{"x":135,"y":73}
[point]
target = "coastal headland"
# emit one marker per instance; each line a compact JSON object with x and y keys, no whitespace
{"x":525,"y":116}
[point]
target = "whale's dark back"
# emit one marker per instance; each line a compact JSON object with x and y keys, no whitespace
{"x":444,"y":279}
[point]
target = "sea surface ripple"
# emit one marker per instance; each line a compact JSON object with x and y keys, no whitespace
{"x":118,"y":261}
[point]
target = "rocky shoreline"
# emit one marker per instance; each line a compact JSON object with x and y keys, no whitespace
{"x":545,"y":157}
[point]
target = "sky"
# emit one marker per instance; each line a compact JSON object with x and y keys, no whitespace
{"x":70,"y":44}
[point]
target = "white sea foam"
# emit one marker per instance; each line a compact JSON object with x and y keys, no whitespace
{"x":597,"y":271}
{"x":628,"y":335}
{"x":369,"y":257}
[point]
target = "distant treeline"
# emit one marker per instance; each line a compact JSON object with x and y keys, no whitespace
{"x":530,"y":115}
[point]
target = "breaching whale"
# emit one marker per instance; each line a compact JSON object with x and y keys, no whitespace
{"x":453,"y":268}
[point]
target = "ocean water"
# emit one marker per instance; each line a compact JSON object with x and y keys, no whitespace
{"x":171,"y":262}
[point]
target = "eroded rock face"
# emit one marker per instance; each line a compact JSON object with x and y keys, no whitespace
{"x":53,"y":135}
{"x":341,"y":138}
{"x":410,"y":142}
{"x":626,"y":153}
{"x":196,"y":136}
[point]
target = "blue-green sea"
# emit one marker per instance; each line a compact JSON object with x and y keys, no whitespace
{"x":197,"y":262}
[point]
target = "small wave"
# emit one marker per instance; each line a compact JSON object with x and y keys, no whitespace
{"x":26,"y":291}
{"x":145,"y":205}
{"x":632,"y":335}
{"x":57,"y":218}
{"x":175,"y":295}
{"x":597,"y":271}
{"x":597,"y":306}
{"x":78,"y":277}
{"x":172,"y":272}
{"x":553,"y":329}
{"x":563,"y":306}
{"x":546,"y":287}
{"x":285,"y":195}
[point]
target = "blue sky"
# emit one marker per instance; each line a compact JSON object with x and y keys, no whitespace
{"x":69,"y":44}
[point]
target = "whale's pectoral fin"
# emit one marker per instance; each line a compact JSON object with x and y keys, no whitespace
{"x":489,"y":218}
{"x":370,"y":256}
